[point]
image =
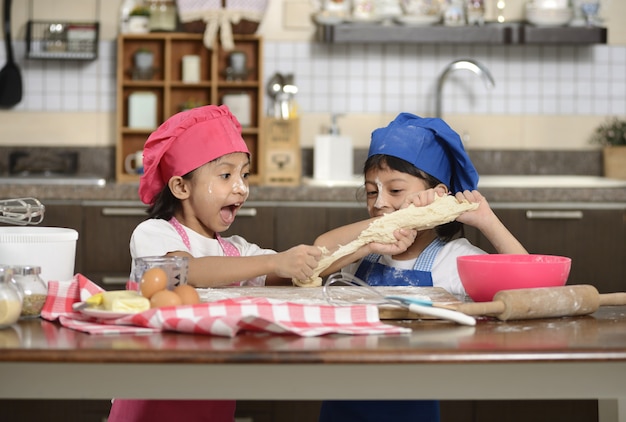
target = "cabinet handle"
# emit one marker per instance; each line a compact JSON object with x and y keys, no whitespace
{"x":554,"y":215}
{"x":247,"y":212}
{"x":124,"y":212}
{"x":114,"y":280}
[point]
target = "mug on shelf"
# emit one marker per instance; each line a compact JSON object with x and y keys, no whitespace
{"x":133,"y":163}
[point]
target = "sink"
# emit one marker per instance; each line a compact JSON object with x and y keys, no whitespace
{"x":547,"y":181}
{"x":503,"y":181}
{"x":53,"y":180}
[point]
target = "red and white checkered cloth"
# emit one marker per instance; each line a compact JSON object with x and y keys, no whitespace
{"x":223,"y":318}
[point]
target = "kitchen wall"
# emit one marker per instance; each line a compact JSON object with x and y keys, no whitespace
{"x":546,"y":97}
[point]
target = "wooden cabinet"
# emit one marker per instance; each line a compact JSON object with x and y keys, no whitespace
{"x":297,"y":225}
{"x":595,"y":239}
{"x":519,"y":410}
{"x":164,"y":81}
{"x":283,"y":226}
{"x":105,"y":241}
{"x":255,"y":224}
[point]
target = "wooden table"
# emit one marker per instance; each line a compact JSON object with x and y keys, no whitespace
{"x":564,"y":358}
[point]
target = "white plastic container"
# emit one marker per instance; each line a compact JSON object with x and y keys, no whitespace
{"x":51,"y":248}
{"x":333,"y":156}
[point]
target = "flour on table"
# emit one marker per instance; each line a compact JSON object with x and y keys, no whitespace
{"x":442,"y":210}
{"x":340,"y":295}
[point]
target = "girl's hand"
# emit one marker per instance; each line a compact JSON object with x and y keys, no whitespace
{"x":485,"y":220}
{"x":423,"y":198}
{"x":404,"y":239}
{"x":297,"y":262}
{"x":481,"y":216}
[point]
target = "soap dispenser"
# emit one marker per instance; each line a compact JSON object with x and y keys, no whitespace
{"x":333,"y":156}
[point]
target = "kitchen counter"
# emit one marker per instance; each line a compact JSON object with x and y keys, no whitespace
{"x":560,"y":358}
{"x":515,"y":191}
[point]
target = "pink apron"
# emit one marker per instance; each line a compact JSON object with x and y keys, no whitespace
{"x":175,"y":410}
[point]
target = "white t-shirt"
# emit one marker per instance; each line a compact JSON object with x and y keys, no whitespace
{"x":157,"y":237}
{"x":444,"y":270}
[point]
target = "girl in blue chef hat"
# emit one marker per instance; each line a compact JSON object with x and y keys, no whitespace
{"x":410,"y":161}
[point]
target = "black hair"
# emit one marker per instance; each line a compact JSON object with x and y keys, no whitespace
{"x":445,"y":232}
{"x":165,"y":204}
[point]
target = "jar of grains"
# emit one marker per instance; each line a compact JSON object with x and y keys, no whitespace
{"x":34,"y":289}
{"x":10,"y":298}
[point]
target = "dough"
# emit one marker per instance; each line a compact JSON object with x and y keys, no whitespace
{"x":443,"y":209}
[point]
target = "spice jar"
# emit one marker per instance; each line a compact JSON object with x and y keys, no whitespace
{"x":10,"y":299}
{"x":34,"y":289}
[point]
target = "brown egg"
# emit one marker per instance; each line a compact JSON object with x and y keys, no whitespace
{"x":165,"y":298}
{"x":188,"y":294}
{"x":152,"y":281}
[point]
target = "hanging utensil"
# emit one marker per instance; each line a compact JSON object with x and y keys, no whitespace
{"x":418,"y":306}
{"x":10,"y":77}
{"x":289,"y":91}
{"x":274,"y":89}
{"x":21,"y":211}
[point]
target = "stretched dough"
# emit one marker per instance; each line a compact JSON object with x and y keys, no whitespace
{"x":442,"y":210}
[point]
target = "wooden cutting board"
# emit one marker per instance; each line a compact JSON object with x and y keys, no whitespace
{"x":339,"y":294}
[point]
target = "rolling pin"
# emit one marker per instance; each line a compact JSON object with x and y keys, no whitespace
{"x":543,"y":302}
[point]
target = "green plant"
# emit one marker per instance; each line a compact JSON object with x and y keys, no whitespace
{"x":610,"y":133}
{"x":140,"y":11}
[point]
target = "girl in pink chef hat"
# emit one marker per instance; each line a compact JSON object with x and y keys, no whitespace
{"x":196,"y":168}
{"x":195,"y":181}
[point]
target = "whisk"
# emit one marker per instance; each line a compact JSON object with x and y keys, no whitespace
{"x":415,"y":305}
{"x":21,"y":211}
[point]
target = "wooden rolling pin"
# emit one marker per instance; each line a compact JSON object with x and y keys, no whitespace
{"x":543,"y":302}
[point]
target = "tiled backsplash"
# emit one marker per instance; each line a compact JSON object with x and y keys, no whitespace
{"x":563,"y":80}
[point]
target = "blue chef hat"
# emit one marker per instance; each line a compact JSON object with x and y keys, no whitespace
{"x":431,"y":146}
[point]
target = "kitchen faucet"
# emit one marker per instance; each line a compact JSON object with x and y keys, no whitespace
{"x":463,"y":64}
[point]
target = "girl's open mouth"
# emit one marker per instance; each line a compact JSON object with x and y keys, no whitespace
{"x":228,"y":213}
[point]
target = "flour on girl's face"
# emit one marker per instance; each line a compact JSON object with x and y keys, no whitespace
{"x":379,"y":197}
{"x":240,"y":185}
{"x":235,"y":183}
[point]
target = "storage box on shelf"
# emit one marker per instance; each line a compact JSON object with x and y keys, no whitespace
{"x":173,"y":89}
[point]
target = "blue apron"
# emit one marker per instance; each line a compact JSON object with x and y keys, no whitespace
{"x":376,"y":274}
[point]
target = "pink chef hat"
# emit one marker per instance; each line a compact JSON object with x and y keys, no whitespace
{"x":186,"y":141}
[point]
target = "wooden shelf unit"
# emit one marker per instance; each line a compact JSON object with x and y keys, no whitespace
{"x":172,"y":93}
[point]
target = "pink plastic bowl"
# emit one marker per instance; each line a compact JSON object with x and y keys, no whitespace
{"x":485,"y":275}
